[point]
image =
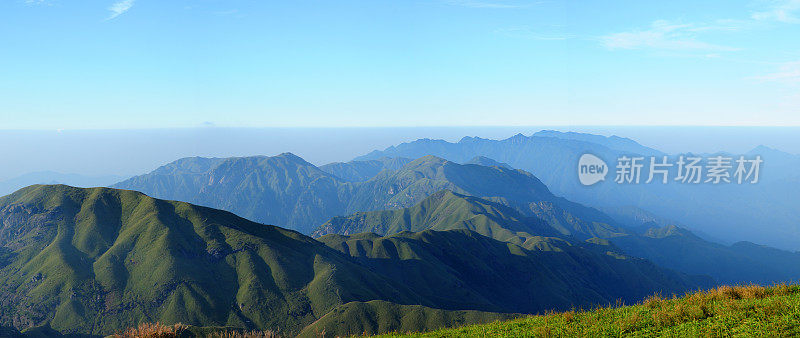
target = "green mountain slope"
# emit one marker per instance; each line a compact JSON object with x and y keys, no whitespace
{"x":516,"y":188}
{"x":765,"y":213}
{"x":670,"y":247}
{"x":485,"y":161}
{"x":461,"y":269}
{"x":359,"y":171}
{"x":283,"y":189}
{"x":289,"y":191}
{"x":96,"y":261}
{"x":444,"y":210}
{"x":100,"y":260}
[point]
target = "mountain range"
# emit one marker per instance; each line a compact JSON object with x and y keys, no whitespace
{"x":287,"y":190}
{"x":513,"y":204}
{"x":420,"y":236}
{"x":668,"y":246}
{"x":283,"y":189}
{"x":766,"y":212}
{"x":95,"y":261}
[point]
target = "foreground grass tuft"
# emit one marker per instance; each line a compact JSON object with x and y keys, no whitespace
{"x":749,"y":310}
{"x":153,"y":330}
{"x":157,"y":330}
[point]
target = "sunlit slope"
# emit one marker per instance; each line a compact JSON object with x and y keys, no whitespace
{"x":100,"y":260}
{"x":669,"y":246}
{"x":378,"y":316}
{"x":444,"y":210}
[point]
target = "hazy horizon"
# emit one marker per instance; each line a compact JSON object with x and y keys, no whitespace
{"x":133,"y":152}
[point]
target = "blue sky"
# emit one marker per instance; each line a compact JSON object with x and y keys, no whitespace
{"x":68,"y":64}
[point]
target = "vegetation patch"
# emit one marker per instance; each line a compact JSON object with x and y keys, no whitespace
{"x":746,"y":311}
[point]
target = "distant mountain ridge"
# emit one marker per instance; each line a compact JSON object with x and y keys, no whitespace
{"x":359,"y":171}
{"x":287,"y":190}
{"x":766,"y":212}
{"x":612,"y":142}
{"x":283,"y":189}
{"x":485,"y":161}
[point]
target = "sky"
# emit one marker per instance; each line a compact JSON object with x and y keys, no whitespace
{"x":139,"y":64}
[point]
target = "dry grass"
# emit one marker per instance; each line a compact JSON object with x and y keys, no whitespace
{"x":153,"y":330}
{"x":157,"y":330}
{"x":244,"y":334}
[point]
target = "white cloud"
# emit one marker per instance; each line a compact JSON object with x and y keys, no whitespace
{"x":782,"y":11}
{"x":787,"y":72}
{"x":120,"y":7}
{"x":663,"y":35}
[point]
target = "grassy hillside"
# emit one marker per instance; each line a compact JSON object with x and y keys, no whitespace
{"x":99,"y":260}
{"x":378,"y":316}
{"x":670,"y":246}
{"x":749,"y":311}
{"x":461,"y":270}
{"x":444,"y":210}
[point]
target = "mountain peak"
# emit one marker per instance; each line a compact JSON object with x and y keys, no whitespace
{"x":427,"y":160}
{"x":765,"y":150}
{"x":292,"y":158}
{"x":487,"y":162}
{"x":467,"y":139}
{"x":518,"y":136}
{"x":612,"y":142}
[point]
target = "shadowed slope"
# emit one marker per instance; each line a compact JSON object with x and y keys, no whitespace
{"x":743,"y":262}
{"x":461,"y":269}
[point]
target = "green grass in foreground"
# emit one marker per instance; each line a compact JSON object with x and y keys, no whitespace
{"x":746,"y":311}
